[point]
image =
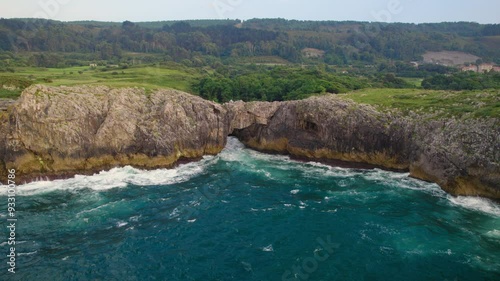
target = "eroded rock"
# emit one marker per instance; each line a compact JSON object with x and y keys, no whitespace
{"x":462,"y":156}
{"x":66,"y":130}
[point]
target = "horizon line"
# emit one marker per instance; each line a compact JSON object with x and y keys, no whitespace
{"x":243,"y":20}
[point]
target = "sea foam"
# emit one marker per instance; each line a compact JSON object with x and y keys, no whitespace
{"x":235,"y":151}
{"x":116,"y":178}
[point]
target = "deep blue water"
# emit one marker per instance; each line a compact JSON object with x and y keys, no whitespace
{"x":244,"y":215}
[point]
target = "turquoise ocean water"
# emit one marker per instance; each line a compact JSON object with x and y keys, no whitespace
{"x":244,"y":215}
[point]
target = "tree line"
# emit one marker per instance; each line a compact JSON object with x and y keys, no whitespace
{"x":258,"y":83}
{"x":463,"y":81}
{"x":344,"y":43}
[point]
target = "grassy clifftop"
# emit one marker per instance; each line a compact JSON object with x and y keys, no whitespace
{"x":475,"y":104}
{"x":150,"y":77}
{"x":437,"y":103}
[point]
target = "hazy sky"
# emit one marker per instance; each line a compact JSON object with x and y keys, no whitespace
{"x":417,"y":11}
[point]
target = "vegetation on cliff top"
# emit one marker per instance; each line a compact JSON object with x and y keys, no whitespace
{"x":267,"y":84}
{"x":149,"y":77}
{"x":462,"y":104}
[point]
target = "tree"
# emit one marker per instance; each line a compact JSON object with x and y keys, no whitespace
{"x":105,"y":51}
{"x":181,"y":27}
{"x":128,"y":25}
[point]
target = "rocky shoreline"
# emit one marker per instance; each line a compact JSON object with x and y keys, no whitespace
{"x":462,"y":156}
{"x":61,"y":131}
{"x":58,"y":132}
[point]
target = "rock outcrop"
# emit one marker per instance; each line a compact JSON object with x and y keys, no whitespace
{"x":462,"y":156}
{"x":58,"y":132}
{"x":61,"y":131}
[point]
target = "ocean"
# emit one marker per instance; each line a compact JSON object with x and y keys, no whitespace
{"x":245,"y":215}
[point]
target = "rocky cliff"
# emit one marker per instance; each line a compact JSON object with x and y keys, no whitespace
{"x":462,"y":156}
{"x":66,"y":130}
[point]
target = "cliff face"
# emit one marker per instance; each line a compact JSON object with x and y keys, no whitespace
{"x":66,"y":130}
{"x":463,"y":157}
{"x":320,"y":128}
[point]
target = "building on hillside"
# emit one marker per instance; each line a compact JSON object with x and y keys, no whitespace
{"x":469,"y":68}
{"x":485,"y":67}
{"x":313,"y":53}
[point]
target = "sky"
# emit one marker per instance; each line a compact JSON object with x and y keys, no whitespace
{"x":410,"y":11}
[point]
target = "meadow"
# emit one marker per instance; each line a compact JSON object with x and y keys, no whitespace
{"x":148,"y":77}
{"x":440,"y":103}
{"x":462,"y":104}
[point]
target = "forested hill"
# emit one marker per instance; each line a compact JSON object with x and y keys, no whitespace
{"x":329,"y":42}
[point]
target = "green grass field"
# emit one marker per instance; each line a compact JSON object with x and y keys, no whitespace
{"x":441,"y":103}
{"x":417,"y":82}
{"x":149,"y":77}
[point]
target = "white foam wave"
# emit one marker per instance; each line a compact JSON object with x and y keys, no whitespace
{"x":231,"y":152}
{"x":236,"y":151}
{"x":121,"y":224}
{"x":447,"y":252}
{"x":318,"y":164}
{"x":493,"y":234}
{"x":268,"y":248}
{"x":118,"y":178}
{"x":233,"y":144}
{"x":135,"y":218}
{"x":269,"y":157}
{"x":27,"y":254}
{"x":476,"y":203}
{"x":96,"y":208}
{"x":262,"y":210}
{"x":343,"y":183}
{"x":402,"y":180}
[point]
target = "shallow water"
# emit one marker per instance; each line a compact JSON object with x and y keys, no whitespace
{"x":244,"y":215}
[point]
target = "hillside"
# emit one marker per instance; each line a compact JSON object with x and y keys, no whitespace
{"x":255,"y":60}
{"x":202,"y":41}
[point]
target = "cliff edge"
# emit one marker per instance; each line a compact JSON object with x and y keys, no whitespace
{"x":462,"y":156}
{"x":60,"y":131}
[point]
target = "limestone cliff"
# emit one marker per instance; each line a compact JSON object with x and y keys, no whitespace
{"x":462,"y":156}
{"x":65,"y":130}
{"x":60,"y":131}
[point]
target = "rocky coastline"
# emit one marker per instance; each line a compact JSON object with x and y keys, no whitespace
{"x":61,"y":131}
{"x":462,"y":156}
